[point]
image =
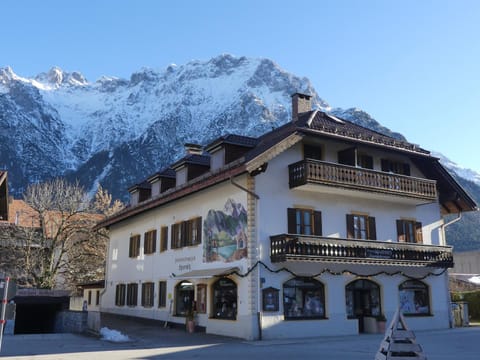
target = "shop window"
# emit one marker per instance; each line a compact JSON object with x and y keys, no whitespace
{"x":162,"y":294}
{"x":147,"y":294}
{"x":225,"y":299}
{"x":120,"y":295}
{"x":304,"y":221}
{"x":361,"y":227}
{"x":134,"y":246}
{"x":270,"y":299}
{"x":303,"y":299}
{"x":132,"y":294}
{"x":414,"y":298}
{"x":184,"y":298}
{"x":362,"y":298}
{"x":409,"y":231}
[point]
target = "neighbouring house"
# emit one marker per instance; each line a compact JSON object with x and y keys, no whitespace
{"x":465,"y":275}
{"x":91,"y":295}
{"x":319,"y":227}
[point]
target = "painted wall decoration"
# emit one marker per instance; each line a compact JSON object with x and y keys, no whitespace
{"x":225,"y":233}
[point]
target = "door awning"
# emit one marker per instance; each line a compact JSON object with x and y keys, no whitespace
{"x":206,"y":273}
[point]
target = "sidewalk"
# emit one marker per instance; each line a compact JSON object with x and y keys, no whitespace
{"x":150,"y":340}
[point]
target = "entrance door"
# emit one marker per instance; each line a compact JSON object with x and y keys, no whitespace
{"x":362,"y":301}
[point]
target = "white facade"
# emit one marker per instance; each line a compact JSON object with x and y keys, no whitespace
{"x":313,"y":284}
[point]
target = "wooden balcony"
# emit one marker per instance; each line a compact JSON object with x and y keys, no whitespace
{"x":288,"y":247}
{"x":308,"y":172}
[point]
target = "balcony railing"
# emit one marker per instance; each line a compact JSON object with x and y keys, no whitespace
{"x":325,"y":173}
{"x":288,"y":247}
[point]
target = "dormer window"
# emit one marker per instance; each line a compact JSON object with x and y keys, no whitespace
{"x":140,"y":192}
{"x":162,"y":181}
{"x":229,"y":148}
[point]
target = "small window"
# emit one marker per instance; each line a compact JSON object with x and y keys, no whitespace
{"x":312,"y":152}
{"x":120,"y":295}
{"x":147,"y":294}
{"x":304,"y":221}
{"x":162,"y":294}
{"x":414,"y":298}
{"x":361,"y":227}
{"x":150,"y":242}
{"x":396,"y":167}
{"x":97,"y":298}
{"x":132,"y":294}
{"x":225,"y":299}
{"x":409,"y":231}
{"x":163,"y":238}
{"x":187,"y":233}
{"x":195,"y":231}
{"x":134,"y":248}
{"x":303,"y":299}
{"x":365,"y":161}
{"x":177,"y":236}
{"x":89,"y":297}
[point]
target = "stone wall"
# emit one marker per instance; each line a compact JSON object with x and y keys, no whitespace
{"x":67,"y":321}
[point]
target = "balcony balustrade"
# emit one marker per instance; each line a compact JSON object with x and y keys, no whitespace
{"x":288,"y":247}
{"x":324,"y":173}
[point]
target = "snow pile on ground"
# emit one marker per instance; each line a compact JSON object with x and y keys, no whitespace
{"x":113,"y":335}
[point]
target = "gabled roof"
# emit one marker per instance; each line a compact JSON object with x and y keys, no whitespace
{"x":312,"y":123}
{"x":194,"y":159}
{"x":164,"y":173}
{"x":332,"y":126}
{"x":233,"y":139}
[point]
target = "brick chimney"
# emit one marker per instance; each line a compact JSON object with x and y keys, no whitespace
{"x":300,"y":103}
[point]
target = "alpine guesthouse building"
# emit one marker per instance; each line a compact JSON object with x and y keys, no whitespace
{"x":319,"y":227}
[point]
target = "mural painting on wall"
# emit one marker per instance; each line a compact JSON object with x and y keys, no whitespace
{"x":225,"y":233}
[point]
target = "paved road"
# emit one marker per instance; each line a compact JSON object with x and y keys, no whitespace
{"x":158,"y":343}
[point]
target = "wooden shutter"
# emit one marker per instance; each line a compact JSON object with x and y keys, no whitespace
{"x":163,"y":238}
{"x":350,"y":230}
{"x":292,"y":220}
{"x":198,"y":239}
{"x":418,"y":232}
{"x":154,"y":240}
{"x":372,"y":229}
{"x":317,"y":223}
{"x":401,"y":231}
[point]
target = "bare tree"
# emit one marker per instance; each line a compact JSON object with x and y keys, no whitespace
{"x":64,"y":249}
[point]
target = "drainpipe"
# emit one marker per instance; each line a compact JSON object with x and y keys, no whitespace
{"x":443,"y":226}
{"x":243,"y":188}
{"x":447,"y":285}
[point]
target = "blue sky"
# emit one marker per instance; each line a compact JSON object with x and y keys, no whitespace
{"x":411,"y":64}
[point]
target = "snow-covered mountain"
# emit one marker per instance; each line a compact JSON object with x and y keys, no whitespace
{"x":117,"y":131}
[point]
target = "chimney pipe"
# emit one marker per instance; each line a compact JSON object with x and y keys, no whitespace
{"x":300,"y":103}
